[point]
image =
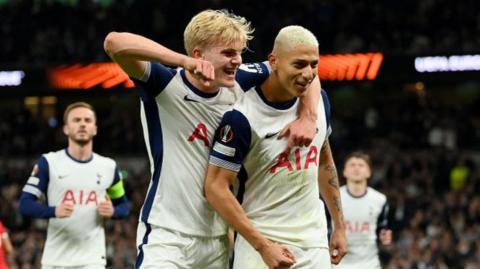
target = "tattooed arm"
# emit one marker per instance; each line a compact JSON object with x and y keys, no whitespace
{"x":328,"y":184}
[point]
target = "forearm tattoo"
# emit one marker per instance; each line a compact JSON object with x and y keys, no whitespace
{"x":338,"y":205}
{"x":333,"y":177}
{"x":333,"y":182}
{"x":331,"y":173}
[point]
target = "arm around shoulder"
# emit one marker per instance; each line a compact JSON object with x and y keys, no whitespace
{"x":302,"y":131}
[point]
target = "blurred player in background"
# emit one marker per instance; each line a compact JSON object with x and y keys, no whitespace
{"x":6,"y":248}
{"x":366,"y":215}
{"x":82,"y":189}
{"x":180,"y":110}
{"x":280,"y":209}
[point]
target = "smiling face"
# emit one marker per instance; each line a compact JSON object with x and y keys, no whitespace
{"x":219,"y":37}
{"x":295,"y":68}
{"x":226,"y":60}
{"x":80,"y":126}
{"x":294,"y":59}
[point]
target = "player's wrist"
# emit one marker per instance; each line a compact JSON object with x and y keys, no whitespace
{"x":186,"y":62}
{"x":261,"y":246}
{"x":339,"y":226}
{"x":310,"y":116}
{"x":53,"y":211}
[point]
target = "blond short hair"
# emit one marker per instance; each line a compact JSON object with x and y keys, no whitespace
{"x":294,"y":35}
{"x":75,"y":105}
{"x":211,"y":27}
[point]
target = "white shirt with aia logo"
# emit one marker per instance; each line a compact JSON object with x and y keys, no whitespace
{"x":363,"y":215}
{"x":179,"y":122}
{"x":80,"y":238}
{"x":280,"y":192}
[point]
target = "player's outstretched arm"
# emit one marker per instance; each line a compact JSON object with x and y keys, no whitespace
{"x":302,"y":131}
{"x":328,"y":183}
{"x":217,"y":191}
{"x":132,"y":52}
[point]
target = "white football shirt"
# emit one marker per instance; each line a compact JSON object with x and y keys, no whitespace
{"x":179,"y":122}
{"x":363,"y":215}
{"x":79,"y":239}
{"x":280,"y":192}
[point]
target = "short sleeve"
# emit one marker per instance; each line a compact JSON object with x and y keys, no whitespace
{"x":252,"y":74}
{"x":155,"y":79}
{"x":232,"y":141}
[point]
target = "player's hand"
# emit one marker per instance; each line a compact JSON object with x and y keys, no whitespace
{"x":300,"y":133}
{"x":105,"y":208}
{"x":277,"y":256}
{"x":201,"y":70}
{"x":338,"y":246}
{"x":385,"y":237}
{"x":63,"y":210}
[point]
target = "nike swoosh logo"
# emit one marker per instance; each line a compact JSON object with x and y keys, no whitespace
{"x":188,"y":99}
{"x":270,"y":135}
{"x":62,"y":176}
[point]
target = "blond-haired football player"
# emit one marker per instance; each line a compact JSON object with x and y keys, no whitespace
{"x":281,"y":220}
{"x":180,"y":110}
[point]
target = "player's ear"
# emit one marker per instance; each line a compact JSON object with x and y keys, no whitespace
{"x":272,"y":60}
{"x":65,"y":130}
{"x":197,"y":53}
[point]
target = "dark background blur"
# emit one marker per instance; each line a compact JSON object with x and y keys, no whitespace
{"x":61,"y":31}
{"x":423,"y":132}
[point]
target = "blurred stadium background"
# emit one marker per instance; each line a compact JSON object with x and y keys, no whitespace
{"x":403,"y":78}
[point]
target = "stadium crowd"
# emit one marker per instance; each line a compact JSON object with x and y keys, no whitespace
{"x":35,"y":27}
